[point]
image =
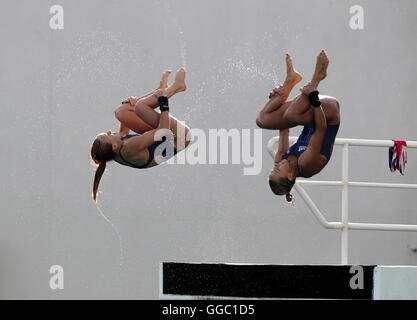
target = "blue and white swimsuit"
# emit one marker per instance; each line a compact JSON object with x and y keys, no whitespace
{"x":300,"y":146}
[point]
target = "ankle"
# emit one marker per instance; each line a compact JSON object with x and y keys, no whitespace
{"x":315,"y":83}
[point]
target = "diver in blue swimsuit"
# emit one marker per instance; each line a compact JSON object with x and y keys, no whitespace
{"x":158,"y":137}
{"x":151,"y":153}
{"x":320,"y":116}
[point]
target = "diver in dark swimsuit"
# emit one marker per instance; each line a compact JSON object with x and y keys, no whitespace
{"x":158,"y":137}
{"x":320,"y":116}
{"x":151,"y":151}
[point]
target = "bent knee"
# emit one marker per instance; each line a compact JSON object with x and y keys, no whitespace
{"x":336,"y":104}
{"x":264,"y":122}
{"x":333,"y":110}
{"x":118,"y":111}
{"x":259,"y":121}
{"x":336,"y":110}
{"x":332,"y":101}
{"x":188,"y":136}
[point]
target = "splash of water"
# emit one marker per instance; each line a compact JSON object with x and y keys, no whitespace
{"x":116,"y":231}
{"x":175,"y":22}
{"x":252,"y":70}
{"x":293,"y":208}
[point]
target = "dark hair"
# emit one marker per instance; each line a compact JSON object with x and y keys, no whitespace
{"x":100,"y":153}
{"x":282,"y":186}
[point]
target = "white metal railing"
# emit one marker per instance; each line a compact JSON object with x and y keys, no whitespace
{"x":345,"y":225}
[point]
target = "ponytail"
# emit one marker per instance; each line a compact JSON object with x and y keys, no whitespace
{"x":99,"y":173}
{"x":288,"y":197}
{"x":100,"y":153}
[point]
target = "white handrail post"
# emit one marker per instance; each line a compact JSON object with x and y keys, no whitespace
{"x":345,"y":204}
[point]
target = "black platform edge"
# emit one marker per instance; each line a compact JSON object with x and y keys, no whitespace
{"x":222,"y":280}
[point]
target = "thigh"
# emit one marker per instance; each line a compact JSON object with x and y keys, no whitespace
{"x":126,"y":115}
{"x":330,"y":108}
{"x":276,"y":119}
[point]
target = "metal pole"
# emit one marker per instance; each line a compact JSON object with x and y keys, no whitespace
{"x":315,"y":210}
{"x":345,"y":203}
{"x":357,"y":184}
{"x":382,"y":227}
{"x":358,"y":142}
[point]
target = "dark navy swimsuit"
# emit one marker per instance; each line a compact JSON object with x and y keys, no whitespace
{"x":300,"y":146}
{"x":151,"y":150}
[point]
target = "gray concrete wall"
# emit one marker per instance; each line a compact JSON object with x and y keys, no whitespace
{"x":58,"y":89}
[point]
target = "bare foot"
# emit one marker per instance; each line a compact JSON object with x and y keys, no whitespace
{"x":321,"y":68}
{"x":179,"y":82}
{"x":293,"y":77}
{"x":164,"y":80}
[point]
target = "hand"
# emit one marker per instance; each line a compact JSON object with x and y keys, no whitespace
{"x":276,"y":91}
{"x":308,"y":88}
{"x":131,"y":100}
